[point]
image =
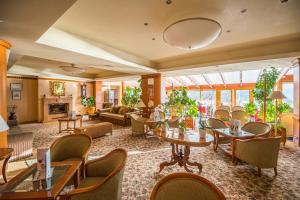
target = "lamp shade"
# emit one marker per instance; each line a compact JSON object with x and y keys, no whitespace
{"x":141,"y":104}
{"x":276,"y":95}
{"x":150,"y":103}
{"x":3,"y":125}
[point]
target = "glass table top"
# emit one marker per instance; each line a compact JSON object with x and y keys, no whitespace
{"x":229,"y":133}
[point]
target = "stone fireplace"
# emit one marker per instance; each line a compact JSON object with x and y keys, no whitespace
{"x":56,"y":107}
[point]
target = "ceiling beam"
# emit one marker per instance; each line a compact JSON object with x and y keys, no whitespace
{"x":193,"y":80}
{"x":174,"y":80}
{"x":206,"y":80}
{"x":181,"y":81}
{"x":282,"y":73}
{"x":223,"y":80}
{"x":241,"y":78}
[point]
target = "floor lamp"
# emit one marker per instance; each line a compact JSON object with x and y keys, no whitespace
{"x":275,"y":95}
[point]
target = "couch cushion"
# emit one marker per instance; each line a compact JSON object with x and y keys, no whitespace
{"x":112,"y":115}
{"x":90,"y":181}
{"x":115,"y":110}
{"x":123,"y":110}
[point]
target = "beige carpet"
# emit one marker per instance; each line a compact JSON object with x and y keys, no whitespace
{"x":145,"y":154}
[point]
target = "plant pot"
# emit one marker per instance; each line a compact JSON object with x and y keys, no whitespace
{"x":91,"y":110}
{"x":202,"y":133}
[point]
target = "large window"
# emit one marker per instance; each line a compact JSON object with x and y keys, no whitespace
{"x":226,"y":97}
{"x":194,"y":94}
{"x":208,"y":98}
{"x":288,"y":91}
{"x":242,"y":97}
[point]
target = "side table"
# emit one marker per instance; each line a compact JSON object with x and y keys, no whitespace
{"x":5,"y":154}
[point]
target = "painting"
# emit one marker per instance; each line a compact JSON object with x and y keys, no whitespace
{"x":57,"y":88}
{"x":16,"y":86}
{"x":83,"y":90}
{"x":16,"y":95}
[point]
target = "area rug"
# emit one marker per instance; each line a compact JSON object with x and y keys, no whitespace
{"x":145,"y":154}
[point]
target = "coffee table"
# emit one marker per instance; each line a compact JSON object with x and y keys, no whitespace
{"x":5,"y":154}
{"x":69,"y":119}
{"x":22,"y":187}
{"x":181,"y":147}
{"x":226,"y":132}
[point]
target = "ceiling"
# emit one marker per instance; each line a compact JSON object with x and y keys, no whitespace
{"x":110,"y":37}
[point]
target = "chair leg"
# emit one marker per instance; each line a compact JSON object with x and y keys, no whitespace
{"x":259,"y":171}
{"x":275,"y":171}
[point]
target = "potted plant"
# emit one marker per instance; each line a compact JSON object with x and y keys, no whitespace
{"x":131,"y":96}
{"x":181,"y":127}
{"x":251,"y":110}
{"x":162,"y":125}
{"x":89,"y":103}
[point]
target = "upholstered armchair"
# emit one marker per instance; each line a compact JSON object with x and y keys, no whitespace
{"x":258,"y":128}
{"x":103,"y":178}
{"x":212,"y":124}
{"x":137,"y":124}
{"x":71,"y":147}
{"x":234,"y":108}
{"x":181,"y":186}
{"x":240,"y":115}
{"x":260,"y":152}
{"x":224,"y":108}
{"x":222,"y":114}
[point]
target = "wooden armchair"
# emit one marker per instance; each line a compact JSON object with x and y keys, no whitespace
{"x":214,"y":123}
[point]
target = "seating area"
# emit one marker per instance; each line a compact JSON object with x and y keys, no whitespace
{"x":149,"y":100}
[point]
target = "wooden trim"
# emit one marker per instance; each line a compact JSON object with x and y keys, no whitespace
{"x":151,"y":76}
{"x":182,"y":175}
{"x":23,"y":77}
{"x":111,"y":175}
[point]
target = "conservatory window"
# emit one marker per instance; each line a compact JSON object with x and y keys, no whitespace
{"x":288,"y":91}
{"x":242,"y":97}
{"x":226,"y":97}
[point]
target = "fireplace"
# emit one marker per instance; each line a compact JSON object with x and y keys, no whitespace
{"x":57,"y":108}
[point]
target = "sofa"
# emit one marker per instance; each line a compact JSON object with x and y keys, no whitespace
{"x":117,"y":115}
{"x":95,"y":130}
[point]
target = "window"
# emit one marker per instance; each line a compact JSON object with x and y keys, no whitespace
{"x":194,"y":94}
{"x":226,"y":97}
{"x":208,"y":98}
{"x":242,"y":97}
{"x":288,"y":91}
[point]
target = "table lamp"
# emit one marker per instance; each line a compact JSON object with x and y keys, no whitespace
{"x":3,"y":125}
{"x":276,"y":95}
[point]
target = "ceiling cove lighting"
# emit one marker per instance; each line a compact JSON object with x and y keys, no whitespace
{"x":192,"y":33}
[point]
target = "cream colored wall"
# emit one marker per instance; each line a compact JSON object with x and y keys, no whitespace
{"x":26,"y":108}
{"x":71,"y":88}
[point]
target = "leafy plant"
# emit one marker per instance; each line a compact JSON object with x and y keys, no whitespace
{"x":88,"y":101}
{"x":182,"y":125}
{"x":250,"y":108}
{"x":131,"y":96}
{"x":271,"y":76}
{"x":284,"y":108}
{"x":281,"y":108}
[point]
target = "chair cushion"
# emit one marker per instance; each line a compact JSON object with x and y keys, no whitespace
{"x":89,"y":181}
{"x":112,"y":115}
{"x":115,"y":110}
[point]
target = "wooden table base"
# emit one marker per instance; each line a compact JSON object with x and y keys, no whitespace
{"x":180,"y":156}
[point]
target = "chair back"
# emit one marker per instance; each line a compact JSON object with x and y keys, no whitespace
{"x":182,"y":186}
{"x":257,"y":128}
{"x":240,"y":115}
{"x":224,"y":108}
{"x":222,"y":114}
{"x":70,"y":146}
{"x":234,"y":108}
{"x":215,"y":123}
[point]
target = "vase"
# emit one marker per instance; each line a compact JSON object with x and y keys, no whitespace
{"x":202,"y":133}
{"x":91,"y":110}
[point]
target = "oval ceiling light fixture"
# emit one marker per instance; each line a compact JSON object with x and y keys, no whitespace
{"x":72,"y":69}
{"x":192,"y":33}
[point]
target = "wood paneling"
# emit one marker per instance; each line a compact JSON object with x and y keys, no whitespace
{"x":3,"y":98}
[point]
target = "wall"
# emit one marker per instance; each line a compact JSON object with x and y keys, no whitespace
{"x":26,"y":108}
{"x":29,"y":108}
{"x":71,"y":88}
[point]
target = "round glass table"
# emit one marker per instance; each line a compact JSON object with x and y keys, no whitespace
{"x":181,"y":147}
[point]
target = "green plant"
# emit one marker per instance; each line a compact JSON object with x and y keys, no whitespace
{"x":250,"y":108}
{"x":271,"y":76}
{"x":182,"y":125}
{"x":270,"y":112}
{"x":284,"y":108}
{"x":88,"y":101}
{"x":131,"y":96}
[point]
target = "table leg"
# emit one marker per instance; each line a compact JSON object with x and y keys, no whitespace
{"x":74,"y":124}
{"x":232,"y":150}
{"x":80,"y":122}
{"x":68,"y":125}
{"x":76,"y":178}
{"x":4,"y":169}
{"x":174,"y":160}
{"x":188,"y":162}
{"x":59,"y":125}
{"x":217,"y":136}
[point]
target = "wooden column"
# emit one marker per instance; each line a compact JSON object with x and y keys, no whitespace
{"x":3,"y":94}
{"x":99,"y":95}
{"x":218,"y":98}
{"x":296,"y":117}
{"x":122,"y":88}
{"x":265,"y":100}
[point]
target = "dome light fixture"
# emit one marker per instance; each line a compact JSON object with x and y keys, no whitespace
{"x":72,"y":69}
{"x":192,"y":33}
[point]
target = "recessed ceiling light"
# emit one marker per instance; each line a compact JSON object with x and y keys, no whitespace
{"x":228,"y":31}
{"x":145,"y":24}
{"x":284,"y":1}
{"x":244,"y":10}
{"x":168,"y":2}
{"x":153,"y":38}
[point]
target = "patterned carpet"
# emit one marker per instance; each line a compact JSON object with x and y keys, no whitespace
{"x":145,"y":155}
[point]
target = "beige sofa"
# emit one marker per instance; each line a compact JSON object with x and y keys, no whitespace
{"x":95,"y":130}
{"x":117,"y":115}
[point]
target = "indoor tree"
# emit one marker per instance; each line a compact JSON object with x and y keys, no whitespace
{"x":131,"y":96}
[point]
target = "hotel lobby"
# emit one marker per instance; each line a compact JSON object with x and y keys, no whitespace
{"x":159,"y":100}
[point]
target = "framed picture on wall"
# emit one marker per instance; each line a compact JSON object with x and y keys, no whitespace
{"x":16,"y":86}
{"x":57,"y":88}
{"x":16,"y":95}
